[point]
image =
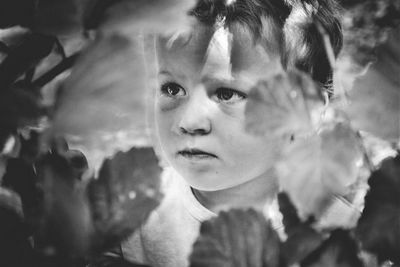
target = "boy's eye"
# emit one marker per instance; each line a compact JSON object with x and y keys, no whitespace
{"x":172,"y":89}
{"x":229,"y":95}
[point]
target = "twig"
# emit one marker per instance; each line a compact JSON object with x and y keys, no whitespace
{"x":54,"y":72}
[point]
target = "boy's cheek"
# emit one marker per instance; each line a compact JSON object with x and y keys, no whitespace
{"x":165,"y":104}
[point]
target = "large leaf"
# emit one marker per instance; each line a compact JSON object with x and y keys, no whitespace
{"x":65,"y":224}
{"x":339,"y":250}
{"x":124,"y":194}
{"x":378,"y":228}
{"x":236,"y":238}
{"x":375,"y":97}
{"x":314,"y":169}
{"x":102,"y":104}
{"x":19,"y":106}
{"x":282,"y":105}
{"x":302,"y":239}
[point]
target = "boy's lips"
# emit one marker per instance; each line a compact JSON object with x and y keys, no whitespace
{"x":195,"y":153}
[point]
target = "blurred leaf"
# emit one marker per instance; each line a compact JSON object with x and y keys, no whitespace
{"x":339,"y":250}
{"x":14,"y":36}
{"x":160,"y":16}
{"x":313,"y":170}
{"x":378,"y":228}
{"x":236,"y":238}
{"x":124,"y":194}
{"x":366,"y":25}
{"x":302,"y":239}
{"x":24,"y":57}
{"x":282,"y":105}
{"x":101,"y":106}
{"x":66,"y":223}
{"x":19,"y":106}
{"x":375,"y":97}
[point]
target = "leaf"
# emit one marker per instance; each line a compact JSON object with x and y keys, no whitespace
{"x":236,"y":238}
{"x":302,"y":239}
{"x":66,"y":224}
{"x":282,"y":105}
{"x":375,"y":97}
{"x":378,"y":228}
{"x":34,"y":48}
{"x":19,"y":106}
{"x":124,"y":194}
{"x":339,"y":250}
{"x":160,"y":16}
{"x":313,"y":170}
{"x":101,"y":107}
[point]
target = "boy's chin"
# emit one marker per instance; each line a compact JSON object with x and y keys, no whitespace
{"x":207,"y":186}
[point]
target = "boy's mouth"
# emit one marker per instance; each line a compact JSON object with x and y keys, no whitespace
{"x":195,"y":153}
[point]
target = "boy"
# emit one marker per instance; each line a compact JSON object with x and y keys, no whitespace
{"x":204,"y":80}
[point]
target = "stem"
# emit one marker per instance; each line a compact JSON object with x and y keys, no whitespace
{"x":54,"y":72}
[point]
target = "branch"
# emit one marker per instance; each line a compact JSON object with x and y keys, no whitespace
{"x":54,"y":72}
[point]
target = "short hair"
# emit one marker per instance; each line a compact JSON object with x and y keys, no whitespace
{"x":301,"y":42}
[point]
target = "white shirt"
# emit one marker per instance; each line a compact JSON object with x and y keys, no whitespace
{"x":166,"y":239}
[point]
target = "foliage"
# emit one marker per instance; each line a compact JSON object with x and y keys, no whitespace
{"x":61,"y":77}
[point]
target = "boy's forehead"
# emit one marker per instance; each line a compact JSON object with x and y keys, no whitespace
{"x":209,"y":52}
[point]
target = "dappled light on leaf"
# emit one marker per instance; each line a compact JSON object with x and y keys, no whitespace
{"x":283,"y":105}
{"x":236,"y":238}
{"x":314,"y":169}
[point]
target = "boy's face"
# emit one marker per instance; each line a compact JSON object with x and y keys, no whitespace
{"x":200,"y":107}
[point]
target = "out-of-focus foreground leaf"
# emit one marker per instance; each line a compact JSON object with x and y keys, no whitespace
{"x":101,"y":106}
{"x":82,"y":219}
{"x":375,"y":97}
{"x":25,"y":56}
{"x":314,"y":169}
{"x":302,"y":239}
{"x":236,"y":238}
{"x":283,"y":105}
{"x":378,"y":228}
{"x":126,"y":191}
{"x":339,"y":250}
{"x":20,"y":106}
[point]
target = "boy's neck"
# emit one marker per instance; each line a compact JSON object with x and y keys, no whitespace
{"x":255,"y":193}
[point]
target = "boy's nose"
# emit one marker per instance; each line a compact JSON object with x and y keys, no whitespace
{"x":195,"y":119}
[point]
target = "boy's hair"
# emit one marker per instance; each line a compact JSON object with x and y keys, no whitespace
{"x":301,"y":42}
